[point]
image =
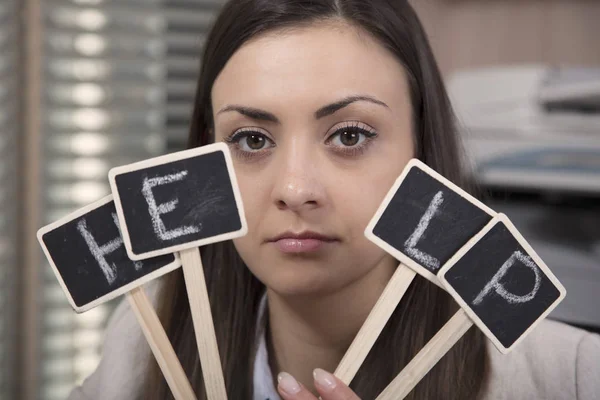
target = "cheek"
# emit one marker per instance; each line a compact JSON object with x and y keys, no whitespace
{"x":254,"y":198}
{"x":367,"y":197}
{"x":254,"y":194}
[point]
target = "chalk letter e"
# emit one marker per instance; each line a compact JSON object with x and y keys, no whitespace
{"x":157,"y":210}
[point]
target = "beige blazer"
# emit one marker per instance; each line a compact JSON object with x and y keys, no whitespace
{"x":555,"y":362}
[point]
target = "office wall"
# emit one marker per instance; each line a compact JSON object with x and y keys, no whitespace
{"x":473,"y":33}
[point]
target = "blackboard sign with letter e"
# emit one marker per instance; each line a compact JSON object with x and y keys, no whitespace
{"x":176,"y":203}
{"x":422,"y":221}
{"x":501,"y":284}
{"x":86,"y":252}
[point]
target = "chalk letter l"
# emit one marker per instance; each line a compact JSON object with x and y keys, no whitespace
{"x":409,"y":245}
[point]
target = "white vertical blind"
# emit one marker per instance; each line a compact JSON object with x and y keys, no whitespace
{"x":9,"y":115}
{"x":117,"y":80}
{"x":103,"y":105}
{"x":188,"y":22}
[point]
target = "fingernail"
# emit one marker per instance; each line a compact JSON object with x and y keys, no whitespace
{"x":287,"y":383}
{"x":324,"y":379}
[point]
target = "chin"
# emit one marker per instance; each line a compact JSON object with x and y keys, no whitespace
{"x":295,"y":279}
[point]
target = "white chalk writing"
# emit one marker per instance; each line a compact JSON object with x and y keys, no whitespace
{"x":411,"y":243}
{"x":156,"y":210}
{"x":136,"y":264}
{"x":501,"y":290}
{"x":100,"y":252}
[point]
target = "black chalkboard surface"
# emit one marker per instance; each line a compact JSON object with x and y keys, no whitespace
{"x":85,"y":250}
{"x":502,"y":284}
{"x":425,"y":218}
{"x":178,"y":201}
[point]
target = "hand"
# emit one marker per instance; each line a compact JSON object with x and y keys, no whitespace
{"x":328,"y":386}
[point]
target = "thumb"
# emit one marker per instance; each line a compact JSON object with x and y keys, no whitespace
{"x":331,"y":388}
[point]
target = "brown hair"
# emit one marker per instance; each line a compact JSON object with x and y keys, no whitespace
{"x":235,"y":293}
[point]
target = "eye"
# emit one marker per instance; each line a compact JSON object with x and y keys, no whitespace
{"x":351,"y":136}
{"x":248,"y":140}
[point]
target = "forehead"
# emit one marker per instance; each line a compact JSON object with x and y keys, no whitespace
{"x":314,"y":63}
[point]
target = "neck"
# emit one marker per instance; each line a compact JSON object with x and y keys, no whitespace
{"x":307,"y":332}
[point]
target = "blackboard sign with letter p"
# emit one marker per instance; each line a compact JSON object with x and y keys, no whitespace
{"x":502,"y":284}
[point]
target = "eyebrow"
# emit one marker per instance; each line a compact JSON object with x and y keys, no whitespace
{"x":322,"y":112}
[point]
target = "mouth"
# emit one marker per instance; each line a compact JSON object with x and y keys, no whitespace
{"x":303,"y":242}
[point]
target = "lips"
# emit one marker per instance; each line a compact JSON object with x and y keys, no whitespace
{"x":302,"y":236}
{"x":303,"y":242}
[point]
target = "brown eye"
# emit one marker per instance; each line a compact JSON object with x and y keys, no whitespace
{"x":249,"y":141}
{"x":349,"y":138}
{"x":255,"y":142}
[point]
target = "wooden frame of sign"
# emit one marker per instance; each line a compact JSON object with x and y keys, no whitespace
{"x":60,"y":246}
{"x":210,"y":214}
{"x":424,"y":220}
{"x":114,"y":173}
{"x":491,"y":235}
{"x":80,"y":308}
{"x":557,"y":289}
{"x":383,"y":227}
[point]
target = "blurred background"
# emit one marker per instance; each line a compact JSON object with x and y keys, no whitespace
{"x":86,"y":85}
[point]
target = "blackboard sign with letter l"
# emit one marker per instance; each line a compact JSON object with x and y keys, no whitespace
{"x":422,"y":221}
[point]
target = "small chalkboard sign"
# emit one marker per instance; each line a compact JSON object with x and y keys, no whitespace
{"x":425,"y":218}
{"x":422,"y":221}
{"x":86,"y":252}
{"x":178,"y":201}
{"x":501,"y":283}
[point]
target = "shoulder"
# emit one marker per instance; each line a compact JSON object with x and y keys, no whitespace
{"x":125,"y":356}
{"x":555,"y":361}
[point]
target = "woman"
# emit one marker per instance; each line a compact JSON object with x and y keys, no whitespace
{"x":322,"y":103}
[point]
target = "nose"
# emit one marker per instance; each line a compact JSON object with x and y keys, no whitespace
{"x":299,"y":182}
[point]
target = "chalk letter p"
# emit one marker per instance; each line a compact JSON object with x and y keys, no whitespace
{"x":499,"y":287}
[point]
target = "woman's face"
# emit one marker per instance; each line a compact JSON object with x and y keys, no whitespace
{"x":318,"y":121}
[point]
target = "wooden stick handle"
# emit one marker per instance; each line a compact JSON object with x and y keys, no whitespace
{"x":429,"y":355}
{"x":203,"y":324}
{"x":161,"y":346}
{"x":374,"y":324}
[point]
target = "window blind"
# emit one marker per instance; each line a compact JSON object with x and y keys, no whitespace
{"x":116,"y":86}
{"x":9,"y":115}
{"x":103,"y":105}
{"x":188,"y":22}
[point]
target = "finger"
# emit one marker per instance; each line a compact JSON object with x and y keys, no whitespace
{"x":331,"y":388}
{"x":290,"y":389}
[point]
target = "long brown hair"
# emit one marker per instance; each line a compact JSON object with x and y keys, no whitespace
{"x":235,"y":293}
